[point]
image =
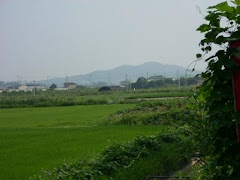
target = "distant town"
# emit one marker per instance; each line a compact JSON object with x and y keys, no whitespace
{"x":141,"y":83}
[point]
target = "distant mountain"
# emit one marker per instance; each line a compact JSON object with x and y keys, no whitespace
{"x":118,"y":74}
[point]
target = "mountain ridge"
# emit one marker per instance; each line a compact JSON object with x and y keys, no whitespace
{"x":120,"y":73}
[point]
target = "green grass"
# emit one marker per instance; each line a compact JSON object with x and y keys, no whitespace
{"x":25,"y":152}
{"x":36,"y":138}
{"x":56,"y":116}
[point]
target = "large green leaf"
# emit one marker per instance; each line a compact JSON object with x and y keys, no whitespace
{"x":237,"y":2}
{"x":204,"y":28}
{"x":223,"y":7}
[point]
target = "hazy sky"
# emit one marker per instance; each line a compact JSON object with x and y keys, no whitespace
{"x":40,"y":38}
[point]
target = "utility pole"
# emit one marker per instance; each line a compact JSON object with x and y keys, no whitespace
{"x":130,"y":86}
{"x":67,"y":86}
{"x":18,"y":79}
{"x":178,"y":80}
{"x":89,"y":79}
{"x":66,"y":78}
{"x":109,"y":79}
{"x":47,"y":82}
{"x":127,"y":82}
{"x":186,"y":79}
{"x":34,"y":93}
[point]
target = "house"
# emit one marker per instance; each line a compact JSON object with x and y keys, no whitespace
{"x":70,"y":85}
{"x":13,"y":88}
{"x":61,"y":89}
{"x":22,"y":88}
{"x":31,"y":87}
{"x":1,"y":90}
{"x":109,"y":88}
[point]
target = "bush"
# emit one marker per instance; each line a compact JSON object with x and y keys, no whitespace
{"x":120,"y":156}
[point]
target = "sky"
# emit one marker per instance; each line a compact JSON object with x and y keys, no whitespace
{"x":52,"y":38}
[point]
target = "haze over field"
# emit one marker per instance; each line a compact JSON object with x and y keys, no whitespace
{"x":57,"y":37}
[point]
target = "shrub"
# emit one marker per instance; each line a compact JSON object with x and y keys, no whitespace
{"x":118,"y":156}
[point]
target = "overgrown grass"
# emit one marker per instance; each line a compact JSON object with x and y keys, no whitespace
{"x":171,"y":112}
{"x":122,"y":160}
{"x":162,"y":162}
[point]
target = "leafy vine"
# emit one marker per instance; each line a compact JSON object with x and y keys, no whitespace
{"x":216,"y":133}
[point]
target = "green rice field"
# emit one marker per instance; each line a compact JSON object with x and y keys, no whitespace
{"x":73,"y":116}
{"x":32,"y":139}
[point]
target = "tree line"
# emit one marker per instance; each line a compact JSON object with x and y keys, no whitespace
{"x":143,"y":82}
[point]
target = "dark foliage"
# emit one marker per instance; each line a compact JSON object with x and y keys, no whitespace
{"x":215,"y":132}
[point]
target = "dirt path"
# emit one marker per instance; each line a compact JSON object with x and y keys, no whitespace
{"x":152,"y":99}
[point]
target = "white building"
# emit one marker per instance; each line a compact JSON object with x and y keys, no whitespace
{"x":22,"y":88}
